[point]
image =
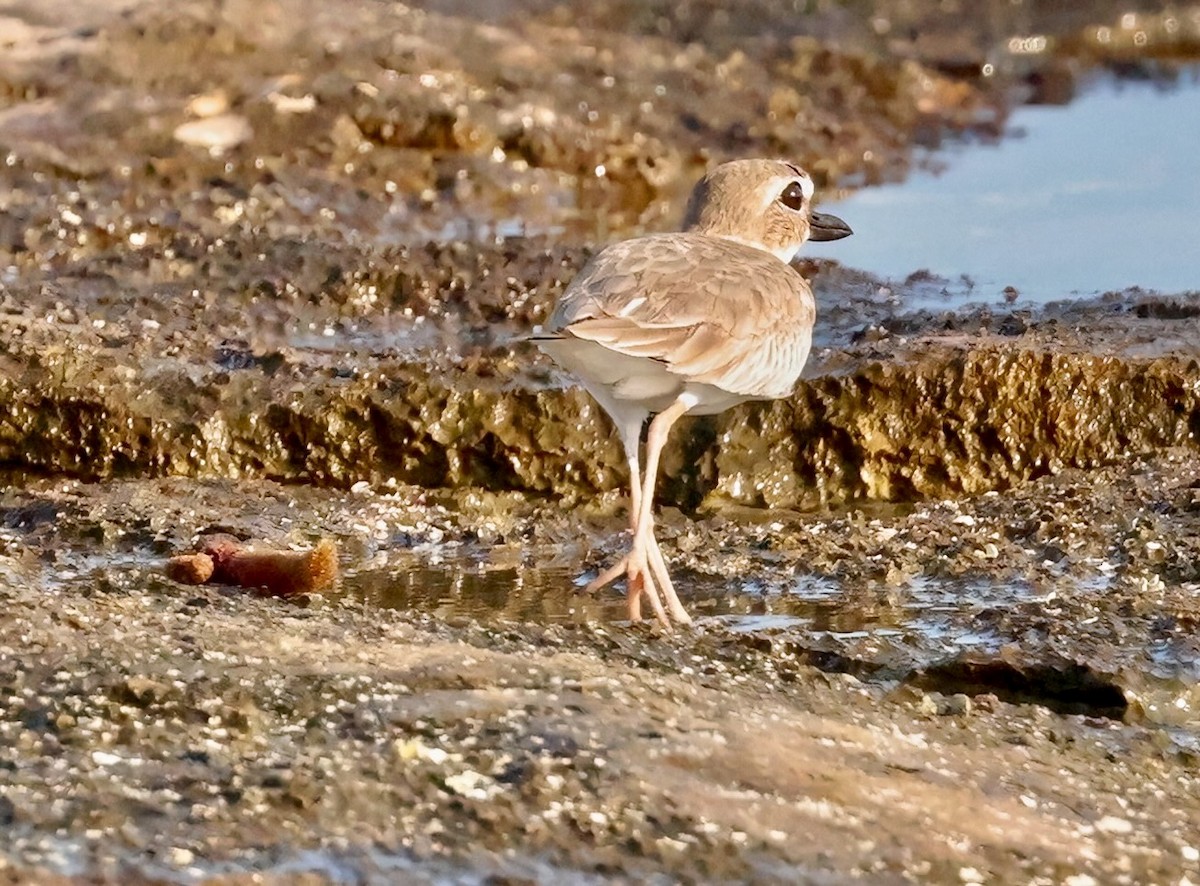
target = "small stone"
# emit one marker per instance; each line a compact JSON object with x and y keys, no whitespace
{"x":927,"y":705}
{"x":217,"y":134}
{"x":436,"y":756}
{"x":345,"y":134}
{"x":287,"y":104}
{"x":671,"y":846}
{"x":1110,"y":824}
{"x":469,"y":784}
{"x":406,"y":750}
{"x":970,"y":875}
{"x":957,"y":705}
{"x":210,"y":104}
{"x":181,"y":857}
{"x":1190,"y":853}
{"x":142,"y":691}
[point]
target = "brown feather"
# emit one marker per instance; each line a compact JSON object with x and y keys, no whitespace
{"x":706,"y":307}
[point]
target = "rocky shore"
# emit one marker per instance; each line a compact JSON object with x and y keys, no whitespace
{"x":267,"y":268}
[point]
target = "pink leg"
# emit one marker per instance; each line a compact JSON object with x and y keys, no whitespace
{"x":645,"y":557}
{"x":615,"y":571}
{"x":636,"y":584}
{"x":644,"y":565}
{"x":659,"y":566}
{"x":640,"y":584}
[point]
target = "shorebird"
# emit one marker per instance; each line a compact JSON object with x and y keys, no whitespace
{"x":691,"y":323}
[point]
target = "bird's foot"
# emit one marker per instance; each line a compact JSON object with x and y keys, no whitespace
{"x":607,"y":577}
{"x":646,"y":574}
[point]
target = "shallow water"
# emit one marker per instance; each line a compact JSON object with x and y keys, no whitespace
{"x":879,"y":632}
{"x":923,"y":619}
{"x":1098,"y":195}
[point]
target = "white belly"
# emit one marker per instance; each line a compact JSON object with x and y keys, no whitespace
{"x":636,"y":382}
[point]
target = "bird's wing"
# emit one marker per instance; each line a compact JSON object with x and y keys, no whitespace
{"x":709,"y":310}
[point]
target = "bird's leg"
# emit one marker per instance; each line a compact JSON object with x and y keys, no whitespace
{"x":645,"y":557}
{"x":612,"y":573}
{"x":659,"y":565}
{"x":634,"y":584}
{"x":640,"y":581}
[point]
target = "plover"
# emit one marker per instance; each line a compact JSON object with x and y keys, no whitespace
{"x":691,"y":323}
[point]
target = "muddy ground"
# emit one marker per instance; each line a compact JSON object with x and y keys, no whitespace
{"x":265,"y":268}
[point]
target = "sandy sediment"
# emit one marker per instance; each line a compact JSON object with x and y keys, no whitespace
{"x":264,"y":271}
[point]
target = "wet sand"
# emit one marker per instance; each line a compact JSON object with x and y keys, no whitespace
{"x":265,"y":270}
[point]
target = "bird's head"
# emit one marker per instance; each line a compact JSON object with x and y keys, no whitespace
{"x":766,"y":204}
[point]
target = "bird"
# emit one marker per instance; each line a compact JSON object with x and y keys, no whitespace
{"x":691,"y":323}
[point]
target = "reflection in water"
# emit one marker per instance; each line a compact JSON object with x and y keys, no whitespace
{"x":925,"y":615}
{"x":1100,"y":195}
{"x":490,"y":594}
{"x":886,"y":629}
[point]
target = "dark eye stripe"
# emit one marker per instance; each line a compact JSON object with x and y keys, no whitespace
{"x":792,"y":196}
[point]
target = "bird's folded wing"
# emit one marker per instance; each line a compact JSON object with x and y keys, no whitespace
{"x":738,"y":319}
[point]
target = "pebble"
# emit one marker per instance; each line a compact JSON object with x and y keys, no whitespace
{"x":210,"y":104}
{"x":470,"y":784}
{"x":286,"y":104}
{"x":1110,"y":824}
{"x":219,"y":133}
{"x":958,"y":704}
{"x":181,"y":857}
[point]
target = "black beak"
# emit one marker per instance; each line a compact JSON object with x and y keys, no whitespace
{"x":823,"y":226}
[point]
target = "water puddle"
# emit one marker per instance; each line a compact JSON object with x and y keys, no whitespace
{"x":936,"y":627}
{"x":1099,"y":195}
{"x":925,"y":618}
{"x":876,"y":631}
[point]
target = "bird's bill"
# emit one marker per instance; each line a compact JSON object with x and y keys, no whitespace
{"x":823,"y":226}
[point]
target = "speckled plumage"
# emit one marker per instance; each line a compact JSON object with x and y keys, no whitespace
{"x":709,"y":311}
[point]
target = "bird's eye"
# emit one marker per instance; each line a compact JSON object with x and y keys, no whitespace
{"x":792,"y":196}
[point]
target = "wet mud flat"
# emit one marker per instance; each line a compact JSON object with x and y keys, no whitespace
{"x":985,"y":609}
{"x":265,"y":270}
{"x":152,"y":730}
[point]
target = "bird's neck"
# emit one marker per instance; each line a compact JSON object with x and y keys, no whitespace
{"x":784,"y":253}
